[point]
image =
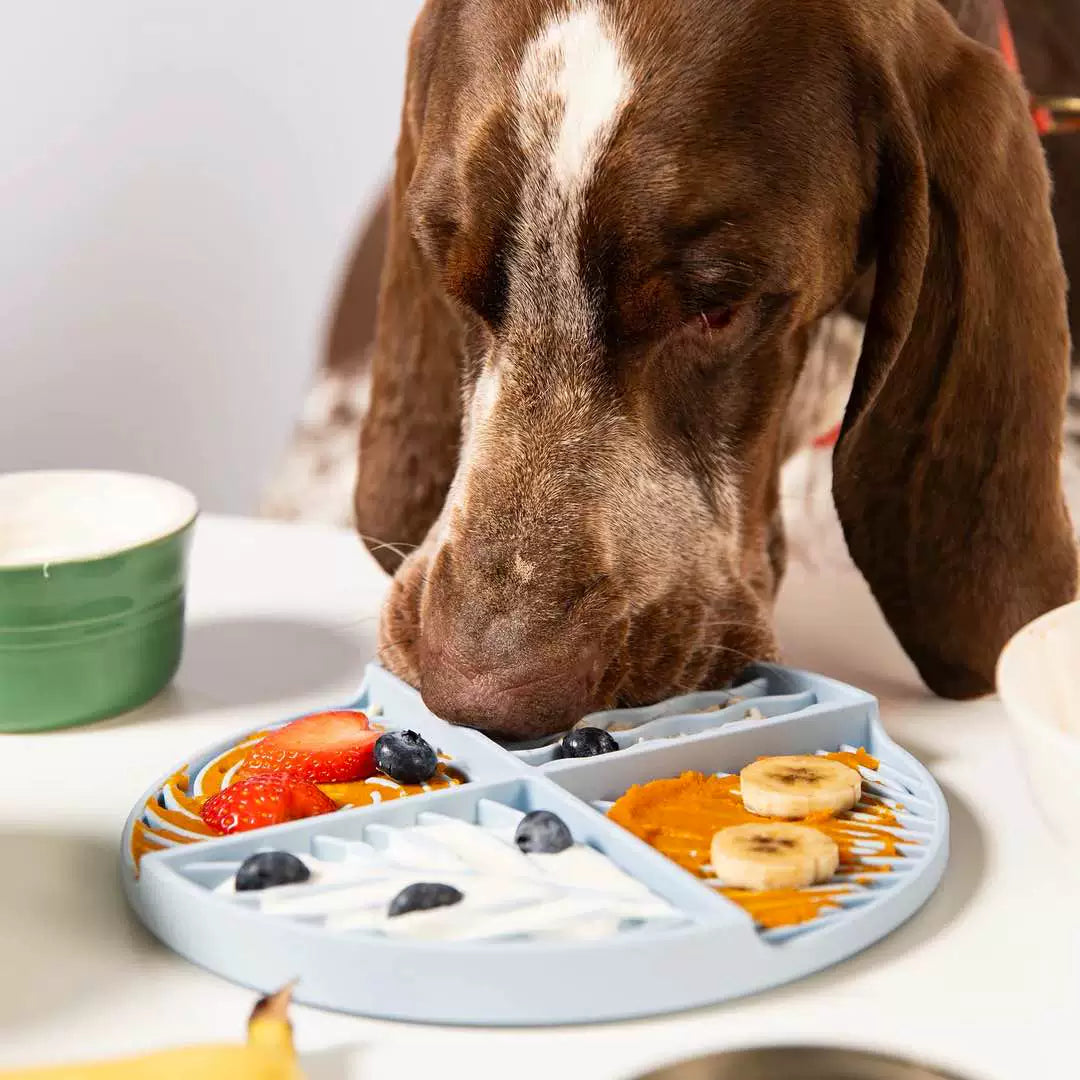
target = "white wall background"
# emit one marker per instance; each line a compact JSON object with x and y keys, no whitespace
{"x":181,"y":182}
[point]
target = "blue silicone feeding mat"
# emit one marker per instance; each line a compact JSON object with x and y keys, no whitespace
{"x":613,"y":931}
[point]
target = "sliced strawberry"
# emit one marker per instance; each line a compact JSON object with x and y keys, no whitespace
{"x":325,"y":748}
{"x":265,"y":799}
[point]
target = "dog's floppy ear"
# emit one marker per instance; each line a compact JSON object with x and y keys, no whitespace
{"x":410,"y":436}
{"x":947,"y":473}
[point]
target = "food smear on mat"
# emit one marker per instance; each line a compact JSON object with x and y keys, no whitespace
{"x":451,"y":880}
{"x":585,"y":740}
{"x":680,"y":817}
{"x":174,"y":814}
{"x":645,"y":727}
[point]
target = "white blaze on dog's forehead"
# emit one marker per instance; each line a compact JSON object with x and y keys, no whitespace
{"x":572,"y":87}
{"x":593,"y":84}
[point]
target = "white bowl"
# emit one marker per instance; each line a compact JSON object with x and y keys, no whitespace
{"x":1038,"y":679}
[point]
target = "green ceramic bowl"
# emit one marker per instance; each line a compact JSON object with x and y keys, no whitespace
{"x":93,"y":567}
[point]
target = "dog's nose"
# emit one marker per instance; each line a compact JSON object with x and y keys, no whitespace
{"x":520,"y":701}
{"x":514,"y":647}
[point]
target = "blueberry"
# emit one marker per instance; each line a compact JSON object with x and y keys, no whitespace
{"x":423,"y":896}
{"x":588,"y":742}
{"x":543,"y":832}
{"x":405,"y":757}
{"x":270,"y":868}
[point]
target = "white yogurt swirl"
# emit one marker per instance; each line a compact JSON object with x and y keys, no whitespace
{"x":576,"y":894}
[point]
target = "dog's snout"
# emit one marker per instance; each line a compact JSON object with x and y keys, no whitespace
{"x":540,"y":692}
{"x":505,"y":651}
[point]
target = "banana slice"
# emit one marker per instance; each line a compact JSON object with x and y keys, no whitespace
{"x":798,"y":786}
{"x":773,"y":856}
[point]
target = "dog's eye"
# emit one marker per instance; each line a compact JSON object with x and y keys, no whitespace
{"x":717,"y":318}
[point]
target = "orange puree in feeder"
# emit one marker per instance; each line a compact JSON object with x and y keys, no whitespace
{"x":679,"y":816}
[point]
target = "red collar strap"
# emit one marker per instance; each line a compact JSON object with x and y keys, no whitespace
{"x":829,"y":439}
{"x":1052,"y":116}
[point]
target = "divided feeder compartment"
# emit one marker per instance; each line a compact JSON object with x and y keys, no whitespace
{"x":531,"y":943}
{"x":762,"y":692}
{"x":164,"y":816}
{"x":897,"y":836}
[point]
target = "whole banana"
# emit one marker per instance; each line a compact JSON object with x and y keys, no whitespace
{"x":269,"y":1054}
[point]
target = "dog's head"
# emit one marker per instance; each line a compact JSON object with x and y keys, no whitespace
{"x":614,"y":226}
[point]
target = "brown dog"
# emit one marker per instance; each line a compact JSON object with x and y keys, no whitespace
{"x":614,"y":229}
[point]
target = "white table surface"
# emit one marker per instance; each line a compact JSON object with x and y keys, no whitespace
{"x":985,"y":979}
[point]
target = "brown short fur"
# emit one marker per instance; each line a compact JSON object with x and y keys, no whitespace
{"x":617,"y":536}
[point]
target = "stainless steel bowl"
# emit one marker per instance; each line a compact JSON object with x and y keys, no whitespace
{"x":799,"y":1063}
